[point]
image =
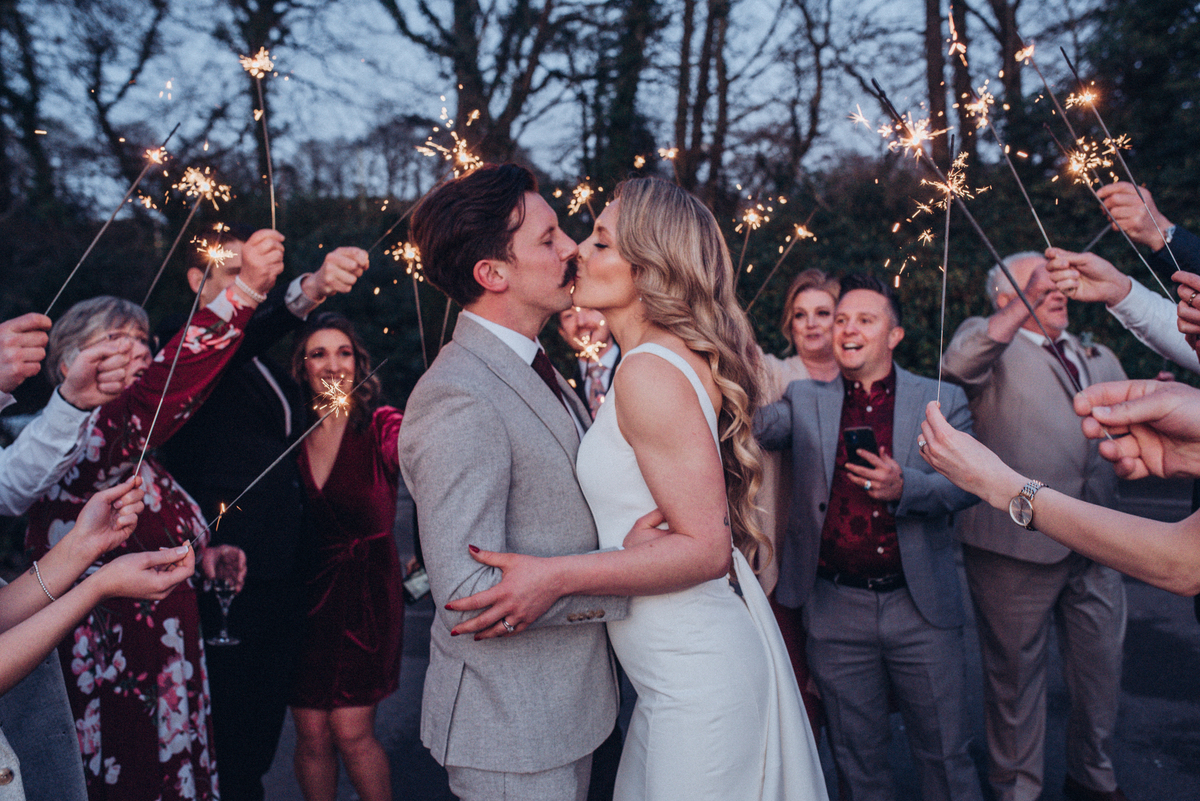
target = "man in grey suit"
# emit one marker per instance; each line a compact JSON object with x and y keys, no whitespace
{"x":1022,"y":582}
{"x":869,"y":554}
{"x":488,"y":449}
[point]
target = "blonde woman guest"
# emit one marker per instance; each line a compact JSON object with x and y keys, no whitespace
{"x":718,"y":714}
{"x":807,"y":326}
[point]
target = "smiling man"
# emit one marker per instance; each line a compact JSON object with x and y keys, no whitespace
{"x":1023,"y":582}
{"x":869,"y":554}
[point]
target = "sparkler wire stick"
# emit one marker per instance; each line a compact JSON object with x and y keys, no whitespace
{"x":1117,"y":152}
{"x":289,"y":449}
{"x":795,"y":238}
{"x":149,"y":163}
{"x":886,"y":103}
{"x":420,"y":322}
{"x":1008,"y":160}
{"x":945,"y":273}
{"x":266,"y":148}
{"x":171,"y":252}
{"x":1096,"y":239}
{"x":738,"y":272}
{"x":445,"y":324}
{"x":174,"y":361}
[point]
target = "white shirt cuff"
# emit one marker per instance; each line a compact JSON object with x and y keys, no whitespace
{"x":299,"y":303}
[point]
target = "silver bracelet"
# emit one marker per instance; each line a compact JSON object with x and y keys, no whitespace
{"x":257,"y":297}
{"x":38,"y":573}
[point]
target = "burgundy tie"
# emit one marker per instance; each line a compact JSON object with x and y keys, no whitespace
{"x":1058,"y":349}
{"x":542,"y":366}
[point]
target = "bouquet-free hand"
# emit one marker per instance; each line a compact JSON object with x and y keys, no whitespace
{"x":1161,"y":419}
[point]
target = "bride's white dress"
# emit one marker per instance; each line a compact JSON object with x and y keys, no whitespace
{"x":718,"y":713}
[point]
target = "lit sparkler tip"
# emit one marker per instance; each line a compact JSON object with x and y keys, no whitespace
{"x":215,"y":253}
{"x":259,"y":64}
{"x":333,"y":398}
{"x":639,"y":162}
{"x":202,"y":184}
{"x":1087,"y":97}
{"x":156,"y":155}
{"x":408,"y":253}
{"x":580,"y":196}
{"x":588,"y":349}
{"x":858,"y":118}
{"x":1025,"y":54}
{"x":668,"y":153}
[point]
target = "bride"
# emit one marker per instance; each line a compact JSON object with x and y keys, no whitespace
{"x":718,"y":714}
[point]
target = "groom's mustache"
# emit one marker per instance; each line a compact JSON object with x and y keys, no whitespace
{"x":569,"y":275}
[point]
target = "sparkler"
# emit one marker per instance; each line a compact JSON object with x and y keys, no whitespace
{"x":979,"y":108}
{"x":408,"y":252}
{"x":153,"y":158}
{"x":800,"y":232}
{"x":581,"y":196}
{"x":901,"y":126}
{"x":1071,"y":129}
{"x":199,"y":184}
{"x":959,"y":163}
{"x":752,"y":220}
{"x":339,"y":405}
{"x":1113,"y":147}
{"x":260,"y":65}
{"x":671,"y":154}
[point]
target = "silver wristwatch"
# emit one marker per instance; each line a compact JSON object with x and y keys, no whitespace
{"x":1020,"y":508}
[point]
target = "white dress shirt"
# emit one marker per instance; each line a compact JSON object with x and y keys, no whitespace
{"x":1153,"y":319}
{"x":42,"y":454}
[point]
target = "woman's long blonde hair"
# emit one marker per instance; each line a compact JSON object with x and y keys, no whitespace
{"x":682,"y":269}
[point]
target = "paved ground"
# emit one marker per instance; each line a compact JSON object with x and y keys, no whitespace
{"x":1157,"y":748}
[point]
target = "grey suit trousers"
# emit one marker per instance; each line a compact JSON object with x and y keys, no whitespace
{"x":1015,"y":604}
{"x":864,"y":644}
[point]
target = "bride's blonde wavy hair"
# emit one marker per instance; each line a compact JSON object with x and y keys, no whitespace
{"x":682,"y":270}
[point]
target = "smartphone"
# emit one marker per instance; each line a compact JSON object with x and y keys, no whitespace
{"x":416,"y":586}
{"x":862,"y":437}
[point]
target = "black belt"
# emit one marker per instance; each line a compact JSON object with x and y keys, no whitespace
{"x":880,"y":584}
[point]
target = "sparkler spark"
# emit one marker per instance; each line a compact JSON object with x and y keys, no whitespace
{"x":581,"y":196}
{"x":201,"y":184}
{"x":753,"y":219}
{"x":955,"y":185}
{"x":1087,"y":159}
{"x":980,"y":107}
{"x":858,"y":118}
{"x":910,"y":134}
{"x":459,"y":154}
{"x":259,"y":64}
{"x":214,"y":253}
{"x":333,"y":398}
{"x":408,"y":253}
{"x":1084,"y":97}
{"x":639,"y":162}
{"x":588,"y":349}
{"x":1025,"y":54}
{"x":668,"y":153}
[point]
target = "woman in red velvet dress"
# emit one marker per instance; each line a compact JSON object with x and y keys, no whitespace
{"x":135,"y":669}
{"x":350,"y":658}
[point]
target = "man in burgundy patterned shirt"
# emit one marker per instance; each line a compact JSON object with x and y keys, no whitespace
{"x":870,"y":554}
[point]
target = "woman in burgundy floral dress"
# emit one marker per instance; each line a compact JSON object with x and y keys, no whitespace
{"x":135,"y":669}
{"x":350,"y":657}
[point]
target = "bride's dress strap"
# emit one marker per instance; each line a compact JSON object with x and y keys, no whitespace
{"x":710,"y":414}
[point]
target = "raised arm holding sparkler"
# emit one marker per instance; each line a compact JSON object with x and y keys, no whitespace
{"x":134,"y":649}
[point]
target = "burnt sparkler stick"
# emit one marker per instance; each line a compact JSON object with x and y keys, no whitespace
{"x":886,"y":103}
{"x":420,"y":322}
{"x":1121,"y":159}
{"x":983,"y":115}
{"x":801,"y":232}
{"x":259,"y":66}
{"x":946,"y":273}
{"x":338,"y":405}
{"x":201,"y":185}
{"x":170,"y":253}
{"x":1096,"y":239}
{"x":153,"y":158}
{"x":174,"y":361}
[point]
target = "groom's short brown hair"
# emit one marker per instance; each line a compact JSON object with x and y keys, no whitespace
{"x":467,"y":220}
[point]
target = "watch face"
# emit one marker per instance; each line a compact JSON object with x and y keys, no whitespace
{"x":1021,"y":511}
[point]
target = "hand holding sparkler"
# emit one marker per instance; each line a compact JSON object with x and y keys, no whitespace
{"x":337,"y":274}
{"x":1087,"y":277}
{"x":1134,"y":211}
{"x":1188,"y":312}
{"x":1162,"y":419}
{"x":1003,"y":324}
{"x":22,"y":347}
{"x":262,"y":262}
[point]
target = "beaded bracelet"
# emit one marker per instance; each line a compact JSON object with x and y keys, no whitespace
{"x":257,"y":297}
{"x":38,"y":573}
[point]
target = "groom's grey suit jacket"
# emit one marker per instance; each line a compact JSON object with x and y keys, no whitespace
{"x":808,"y":421}
{"x":489,"y":454}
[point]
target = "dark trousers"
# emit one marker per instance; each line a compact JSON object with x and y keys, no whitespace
{"x":251,"y":682}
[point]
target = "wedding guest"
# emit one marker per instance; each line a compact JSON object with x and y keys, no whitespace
{"x":255,"y":411}
{"x":596,"y":354}
{"x":350,"y":654}
{"x":136,"y":673}
{"x":41,"y":607}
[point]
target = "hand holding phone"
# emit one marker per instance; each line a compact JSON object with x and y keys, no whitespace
{"x":860,"y":437}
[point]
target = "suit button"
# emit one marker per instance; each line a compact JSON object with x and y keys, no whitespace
{"x":821,"y":507}
{"x":6,"y":776}
{"x":599,"y":613}
{"x":571,"y":618}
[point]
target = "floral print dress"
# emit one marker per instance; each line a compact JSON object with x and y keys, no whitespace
{"x":135,"y":669}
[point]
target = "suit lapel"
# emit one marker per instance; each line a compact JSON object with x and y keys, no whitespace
{"x":907,"y":415}
{"x":829,"y":424}
{"x":504,"y":363}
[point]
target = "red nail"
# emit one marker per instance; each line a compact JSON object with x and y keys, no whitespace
{"x":448,"y":607}
{"x":474,"y":549}
{"x":453,"y":632}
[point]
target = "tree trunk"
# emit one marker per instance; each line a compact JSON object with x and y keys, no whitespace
{"x":963,"y":89}
{"x":935,"y":81}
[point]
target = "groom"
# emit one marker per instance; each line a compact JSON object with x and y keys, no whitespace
{"x":488,"y":449}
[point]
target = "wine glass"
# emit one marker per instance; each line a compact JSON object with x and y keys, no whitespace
{"x":225,"y":592}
